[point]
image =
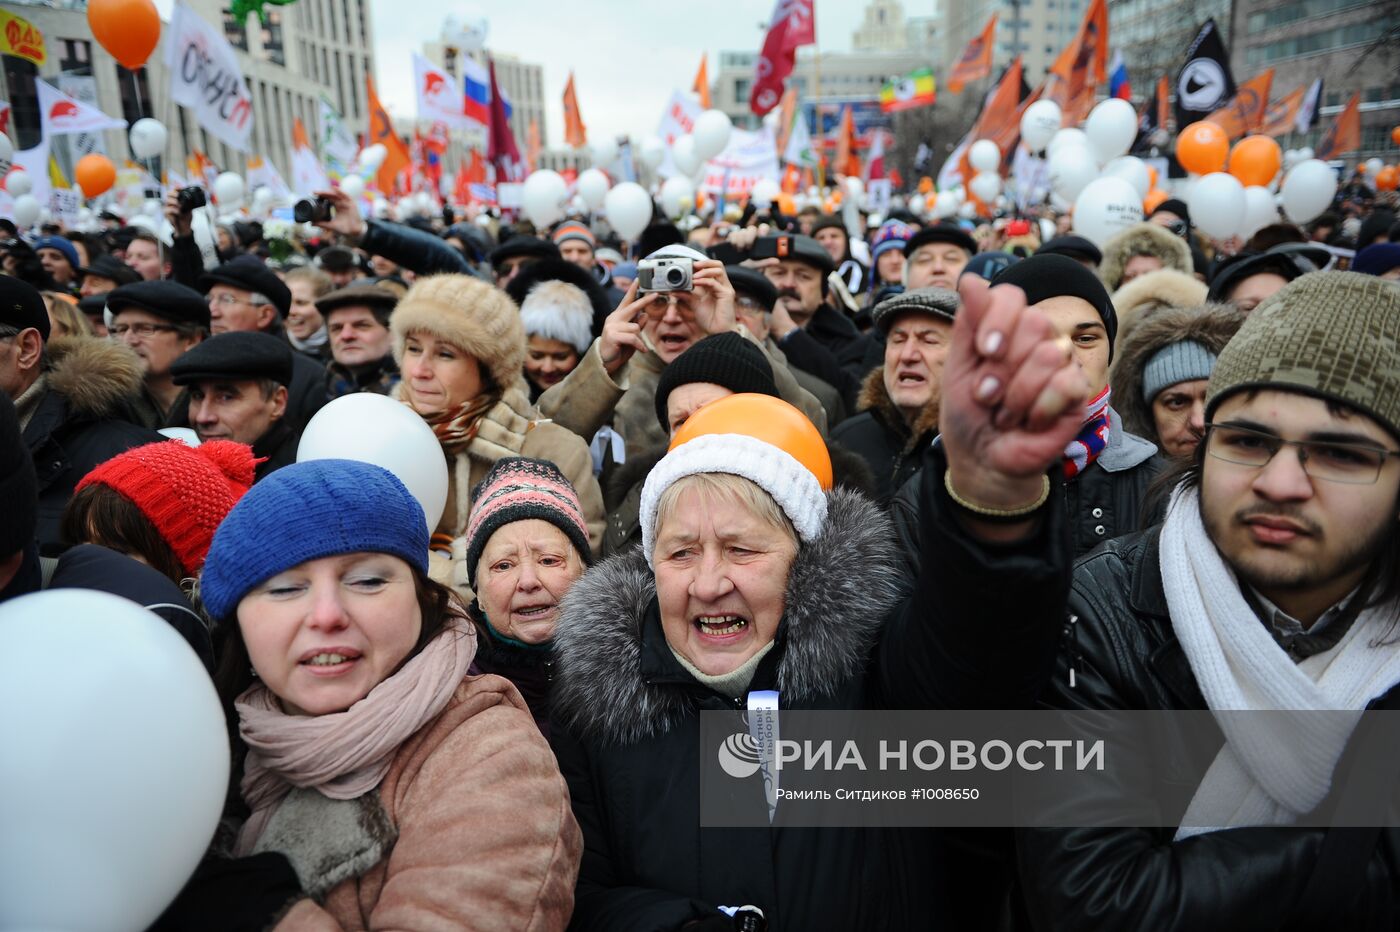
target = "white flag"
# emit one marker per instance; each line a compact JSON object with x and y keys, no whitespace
{"x":1307,"y":111}
{"x":205,"y":76}
{"x":308,"y":176}
{"x":60,"y":114}
{"x":337,"y":142}
{"x":799,"y":144}
{"x":439,"y":99}
{"x":263,"y":174}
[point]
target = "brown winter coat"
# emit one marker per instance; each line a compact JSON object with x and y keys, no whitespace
{"x":1145,"y":239}
{"x":1211,"y":325}
{"x":470,"y":829}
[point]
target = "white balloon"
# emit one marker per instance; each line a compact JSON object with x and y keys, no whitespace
{"x":1105,"y":207}
{"x":1132,"y":170}
{"x":1216,"y":203}
{"x":1373,"y":165}
{"x":1308,"y":190}
{"x":1071,"y":169}
{"x":353,"y":186}
{"x":986,"y":186}
{"x":684,"y":154}
{"x":373,"y":157}
{"x":1259,"y":210}
{"x":26,"y":210}
{"x":604,"y":152}
{"x":677,"y":196}
{"x":984,"y":156}
{"x":115,"y":766}
{"x":967,"y":211}
{"x":854,"y":188}
{"x":945,"y":205}
{"x":377,"y":429}
{"x":148,"y":137}
{"x":578,"y":206}
{"x":629,"y":209}
{"x":652,"y":151}
{"x":1039,"y":124}
{"x":1112,"y":126}
{"x":18,"y":183}
{"x":711,"y":133}
{"x":1306,"y":153}
{"x":1069,"y":136}
{"x":543,"y":197}
{"x":228,"y":190}
{"x":152,"y":207}
{"x":764,"y":193}
{"x":7,"y":154}
{"x":593,"y":187}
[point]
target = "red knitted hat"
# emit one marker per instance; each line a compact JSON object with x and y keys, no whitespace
{"x":185,"y":492}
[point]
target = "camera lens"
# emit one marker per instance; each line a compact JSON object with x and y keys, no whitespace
{"x":675,"y":277}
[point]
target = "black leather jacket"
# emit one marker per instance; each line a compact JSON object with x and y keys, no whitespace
{"x":1125,"y":655}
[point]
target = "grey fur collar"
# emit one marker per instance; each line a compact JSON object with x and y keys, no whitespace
{"x":328,"y":841}
{"x":840,"y":589}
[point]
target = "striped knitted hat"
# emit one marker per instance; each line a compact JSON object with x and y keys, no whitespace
{"x":518,"y":489}
{"x":183,"y":491}
{"x":572,"y":229}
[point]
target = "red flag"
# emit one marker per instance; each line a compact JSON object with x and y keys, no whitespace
{"x":702,"y":82}
{"x":575,"y":133}
{"x":793,"y":25}
{"x":461,"y":186}
{"x":4,"y":118}
{"x":381,"y":130}
{"x":1245,"y":112}
{"x":502,"y":151}
{"x":976,"y":61}
{"x":1345,"y":134}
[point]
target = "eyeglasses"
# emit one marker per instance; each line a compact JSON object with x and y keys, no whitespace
{"x":141,"y":330}
{"x":225,"y":300}
{"x":750,"y":304}
{"x":657,"y":309}
{"x":1350,"y":463}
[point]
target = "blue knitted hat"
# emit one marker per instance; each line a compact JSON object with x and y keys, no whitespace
{"x":306,"y":511}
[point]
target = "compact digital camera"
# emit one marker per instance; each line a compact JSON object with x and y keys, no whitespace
{"x":669,"y":274}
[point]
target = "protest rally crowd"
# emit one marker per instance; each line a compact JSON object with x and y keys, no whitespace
{"x":465,"y":513}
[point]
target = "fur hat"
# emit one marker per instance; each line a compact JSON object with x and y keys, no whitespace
{"x":546,"y":270}
{"x":558,"y":311}
{"x":1145,"y":239}
{"x":473,"y":316}
{"x":1154,"y":291}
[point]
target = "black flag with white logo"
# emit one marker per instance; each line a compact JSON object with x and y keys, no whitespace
{"x":1204,"y":83}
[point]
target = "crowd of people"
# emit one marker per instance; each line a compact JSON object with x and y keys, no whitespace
{"x":857,"y":461}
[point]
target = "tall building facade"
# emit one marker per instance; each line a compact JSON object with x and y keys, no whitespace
{"x":1037,"y":30}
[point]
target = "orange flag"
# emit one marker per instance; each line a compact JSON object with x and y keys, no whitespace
{"x":976,"y":61}
{"x":1282,"y":114}
{"x":381,"y":130}
{"x":1245,"y":113}
{"x":1080,"y":69}
{"x":1345,"y":134}
{"x":787,"y":109}
{"x":1000,"y":120}
{"x":575,"y":133}
{"x":847,"y":162}
{"x":702,"y":82}
{"x":532,"y":146}
{"x":299,"y":140}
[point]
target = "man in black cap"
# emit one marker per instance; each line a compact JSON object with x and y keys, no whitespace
{"x":935,"y":257}
{"x":517,"y":252}
{"x":1077,"y":248}
{"x":357,"y":319}
{"x":340,"y":263}
{"x":238,"y":391}
{"x":104,"y":274}
{"x":813,"y":334}
{"x":899,"y":401}
{"x":160,"y":321}
{"x":1106,"y":469}
{"x":1246,"y":280}
{"x":72,"y":397}
{"x":246,"y":296}
{"x":830,"y":231}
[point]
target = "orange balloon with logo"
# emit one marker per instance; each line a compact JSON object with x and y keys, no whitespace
{"x":765,"y":418}
{"x":1388,"y":178}
{"x":1255,"y":160}
{"x":128,"y":29}
{"x":1202,"y":148}
{"x":96,"y":174}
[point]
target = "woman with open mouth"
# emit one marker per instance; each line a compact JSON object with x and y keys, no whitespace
{"x":377,"y":784}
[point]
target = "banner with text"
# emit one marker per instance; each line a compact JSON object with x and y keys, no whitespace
{"x":205,"y":76}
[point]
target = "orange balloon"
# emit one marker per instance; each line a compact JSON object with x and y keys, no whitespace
{"x":96,"y":174}
{"x":1395,"y":135}
{"x":129,"y":29}
{"x":1154,"y":199}
{"x":787,"y":205}
{"x":1202,"y":148}
{"x":765,"y":418}
{"x":925,"y":184}
{"x":1255,"y":160}
{"x":1151,"y":178}
{"x":1388,"y":178}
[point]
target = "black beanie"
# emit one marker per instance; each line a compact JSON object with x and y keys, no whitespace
{"x":726,"y":359}
{"x":1050,"y":275}
{"x":19,"y":490}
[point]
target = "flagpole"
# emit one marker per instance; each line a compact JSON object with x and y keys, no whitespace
{"x":817,"y":104}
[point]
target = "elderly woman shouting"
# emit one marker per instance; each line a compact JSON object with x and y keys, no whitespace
{"x":755,"y":577}
{"x":404,"y":793}
{"x":460,"y":345}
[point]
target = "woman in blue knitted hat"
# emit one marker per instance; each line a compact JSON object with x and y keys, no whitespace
{"x":357,"y":730}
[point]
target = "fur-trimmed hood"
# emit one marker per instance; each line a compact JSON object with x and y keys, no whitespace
{"x":1160,"y":289}
{"x":875,"y":398}
{"x":1145,"y":239}
{"x":96,"y":377}
{"x":839,"y":591}
{"x":1211,"y":325}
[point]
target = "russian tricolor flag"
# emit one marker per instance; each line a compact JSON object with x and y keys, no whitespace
{"x":1118,"y":85}
{"x":476,"y":86}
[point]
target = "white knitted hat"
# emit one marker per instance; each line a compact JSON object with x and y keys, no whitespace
{"x":792,"y":485}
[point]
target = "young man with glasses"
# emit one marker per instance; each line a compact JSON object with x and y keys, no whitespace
{"x":1274,"y":583}
{"x":160,"y":321}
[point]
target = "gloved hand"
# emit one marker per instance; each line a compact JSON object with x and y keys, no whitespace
{"x":227,"y":895}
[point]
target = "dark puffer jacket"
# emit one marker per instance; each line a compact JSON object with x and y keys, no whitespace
{"x":626,"y":725}
{"x":881,"y":436}
{"x":832,"y":349}
{"x":1125,"y":655}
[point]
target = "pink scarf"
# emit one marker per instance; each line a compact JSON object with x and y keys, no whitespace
{"x":344,"y":755}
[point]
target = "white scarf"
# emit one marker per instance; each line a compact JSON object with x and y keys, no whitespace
{"x":1272,"y":769}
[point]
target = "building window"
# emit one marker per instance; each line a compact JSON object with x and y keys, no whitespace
{"x":1372,"y":95}
{"x":77,"y":57}
{"x":1322,"y":41}
{"x":1334,"y":98}
{"x":24,"y":100}
{"x":345,"y":25}
{"x":130,"y":83}
{"x":235,"y":32}
{"x":272,"y":38}
{"x":741,"y":88}
{"x":354,"y":88}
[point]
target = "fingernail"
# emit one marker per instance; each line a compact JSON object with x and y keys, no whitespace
{"x":992,"y":343}
{"x":988,"y":387}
